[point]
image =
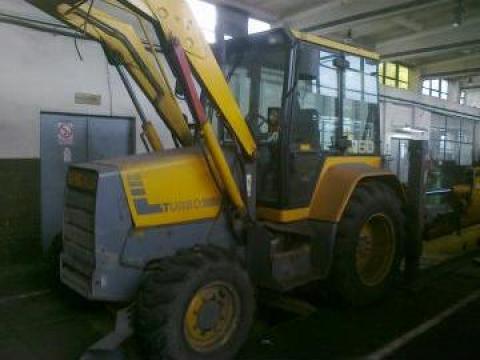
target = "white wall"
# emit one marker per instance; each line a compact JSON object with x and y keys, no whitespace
{"x":42,"y":72}
{"x":400,"y":108}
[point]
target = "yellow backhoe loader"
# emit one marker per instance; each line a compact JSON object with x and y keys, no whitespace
{"x":278,"y":183}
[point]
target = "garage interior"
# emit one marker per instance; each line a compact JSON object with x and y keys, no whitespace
{"x":66,"y":98}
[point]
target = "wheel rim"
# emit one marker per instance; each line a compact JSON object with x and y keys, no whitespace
{"x":375,"y":250}
{"x":212,"y":317}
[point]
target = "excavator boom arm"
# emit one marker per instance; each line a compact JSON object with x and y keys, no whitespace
{"x":120,"y":39}
{"x":171,"y":19}
{"x":187,"y":54}
{"x":174,"y":19}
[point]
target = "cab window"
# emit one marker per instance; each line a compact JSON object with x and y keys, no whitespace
{"x":314,"y":121}
{"x":360,"y":105}
{"x":315,"y":109}
{"x":258,"y":85}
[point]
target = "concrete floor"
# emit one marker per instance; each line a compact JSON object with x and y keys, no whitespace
{"x":37,"y":322}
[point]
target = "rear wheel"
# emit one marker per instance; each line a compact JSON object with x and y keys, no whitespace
{"x":369,"y":244}
{"x":196,"y":305}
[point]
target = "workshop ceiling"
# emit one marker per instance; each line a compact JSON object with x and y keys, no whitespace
{"x":441,"y":37}
{"x":441,"y":34}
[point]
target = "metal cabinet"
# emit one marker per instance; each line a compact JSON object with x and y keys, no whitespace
{"x":66,"y":139}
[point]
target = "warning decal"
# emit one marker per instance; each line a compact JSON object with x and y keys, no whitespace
{"x":67,"y":155}
{"x":65,"y":133}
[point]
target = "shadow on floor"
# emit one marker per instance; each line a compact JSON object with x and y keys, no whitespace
{"x":37,"y":322}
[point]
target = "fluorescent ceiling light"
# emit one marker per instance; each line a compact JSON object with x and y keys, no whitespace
{"x":413,"y":130}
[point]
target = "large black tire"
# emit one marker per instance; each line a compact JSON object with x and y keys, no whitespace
{"x":164,"y":310}
{"x":369,"y":245}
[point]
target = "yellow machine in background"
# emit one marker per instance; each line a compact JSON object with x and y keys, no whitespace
{"x":453,"y":200}
{"x":471,"y":195}
{"x":292,"y":189}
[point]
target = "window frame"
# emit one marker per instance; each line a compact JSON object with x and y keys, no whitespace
{"x":442,"y":93}
{"x":377,"y":136}
{"x":342,"y":93}
{"x":444,"y":141}
{"x":288,"y":47}
{"x":302,"y":46}
{"x":382,"y":73}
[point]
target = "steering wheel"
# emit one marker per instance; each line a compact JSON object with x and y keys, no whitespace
{"x":257,"y":123}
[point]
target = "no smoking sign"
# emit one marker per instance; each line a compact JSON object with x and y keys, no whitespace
{"x":65,"y":133}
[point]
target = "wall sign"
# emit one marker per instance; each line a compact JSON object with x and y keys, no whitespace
{"x":88,"y":99}
{"x":65,"y":133}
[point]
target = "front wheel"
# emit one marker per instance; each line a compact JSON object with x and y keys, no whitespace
{"x":369,"y":244}
{"x":195,"y":305}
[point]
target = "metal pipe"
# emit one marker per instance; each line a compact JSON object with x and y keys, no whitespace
{"x":431,"y":108}
{"x":131,"y":93}
{"x":208,"y":134}
{"x":57,"y":29}
{"x":149,"y":130}
{"x":41,"y":26}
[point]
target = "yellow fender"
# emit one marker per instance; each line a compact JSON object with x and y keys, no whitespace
{"x":337,"y":184}
{"x":338,"y":179}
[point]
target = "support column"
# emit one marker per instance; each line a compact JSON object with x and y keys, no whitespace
{"x":415,"y":80}
{"x":234,"y":23}
{"x":453,"y":91}
{"x":418,"y":150}
{"x":231,"y":22}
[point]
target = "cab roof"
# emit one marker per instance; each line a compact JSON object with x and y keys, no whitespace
{"x":277,"y":35}
{"x":318,"y":40}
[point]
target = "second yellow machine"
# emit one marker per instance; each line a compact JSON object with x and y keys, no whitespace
{"x":290,"y":191}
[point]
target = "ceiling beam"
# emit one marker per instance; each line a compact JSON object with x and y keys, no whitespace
{"x":407,"y":24}
{"x":296,"y":19}
{"x":430,"y":51}
{"x":360,"y":31}
{"x":472,"y":82}
{"x":432,"y":41}
{"x":252,"y":11}
{"x":470,"y":86}
{"x":277,"y":6}
{"x":339,"y":15}
{"x":447,"y":29}
{"x":462,"y":66}
{"x":376,"y":27}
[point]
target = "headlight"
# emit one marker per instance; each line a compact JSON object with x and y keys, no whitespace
{"x":82,"y":180}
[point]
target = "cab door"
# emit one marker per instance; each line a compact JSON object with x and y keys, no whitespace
{"x":334,"y":112}
{"x":314,"y":122}
{"x":259,"y":86}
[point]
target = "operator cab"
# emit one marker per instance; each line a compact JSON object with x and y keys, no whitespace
{"x":305,"y":98}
